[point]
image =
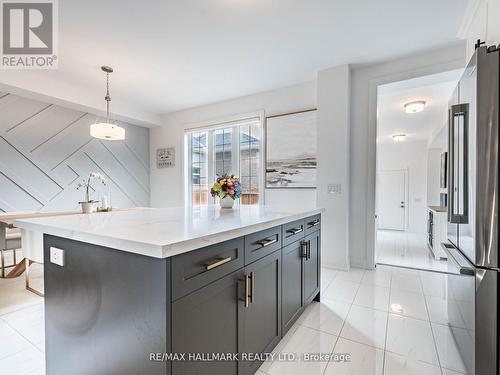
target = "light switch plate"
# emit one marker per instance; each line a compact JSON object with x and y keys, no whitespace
{"x":334,"y":188}
{"x":57,"y":256}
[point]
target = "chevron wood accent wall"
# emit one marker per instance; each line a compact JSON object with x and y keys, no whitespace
{"x":45,"y":150}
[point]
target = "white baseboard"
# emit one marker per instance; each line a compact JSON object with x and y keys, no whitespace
{"x":335,"y":267}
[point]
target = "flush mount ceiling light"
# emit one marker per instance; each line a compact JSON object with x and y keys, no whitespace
{"x":398,"y":137}
{"x":107,"y":130}
{"x":415,"y":107}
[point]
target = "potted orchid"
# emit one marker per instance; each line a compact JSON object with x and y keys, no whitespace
{"x":227,"y":188}
{"x":88,"y":184}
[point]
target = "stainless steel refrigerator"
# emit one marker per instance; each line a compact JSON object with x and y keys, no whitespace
{"x":473,"y":294}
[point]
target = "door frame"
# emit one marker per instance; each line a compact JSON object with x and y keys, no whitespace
{"x":406,"y":220}
{"x":378,"y":79}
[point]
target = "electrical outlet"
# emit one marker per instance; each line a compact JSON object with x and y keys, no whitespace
{"x":334,"y":188}
{"x":57,"y":256}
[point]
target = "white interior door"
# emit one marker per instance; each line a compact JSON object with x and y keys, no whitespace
{"x":391,"y":199}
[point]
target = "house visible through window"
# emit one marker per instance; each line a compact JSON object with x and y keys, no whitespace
{"x":232,"y":148}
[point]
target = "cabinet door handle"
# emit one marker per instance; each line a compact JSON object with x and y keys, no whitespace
{"x":295,"y":230}
{"x":313,"y":223}
{"x":246,"y":297}
{"x":216,"y":263}
{"x":252,"y":287}
{"x":303,"y":252}
{"x":308,"y":250}
{"x":267,"y":242}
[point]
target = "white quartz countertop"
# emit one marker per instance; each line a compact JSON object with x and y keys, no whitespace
{"x":164,"y":232}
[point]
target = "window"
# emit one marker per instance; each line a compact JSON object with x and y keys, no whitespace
{"x":232,"y":148}
{"x":199,"y":162}
{"x":250,"y":151}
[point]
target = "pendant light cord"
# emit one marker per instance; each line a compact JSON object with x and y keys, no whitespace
{"x":107,"y":97}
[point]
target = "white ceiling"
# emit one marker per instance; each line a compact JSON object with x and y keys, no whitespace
{"x":435,"y":90}
{"x":169,"y":55}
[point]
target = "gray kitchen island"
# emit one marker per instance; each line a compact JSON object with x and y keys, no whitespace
{"x":175,"y":291}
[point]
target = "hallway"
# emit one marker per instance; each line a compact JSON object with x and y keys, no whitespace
{"x":405,"y":249}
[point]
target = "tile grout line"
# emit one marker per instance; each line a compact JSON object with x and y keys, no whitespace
{"x":20,"y":308}
{"x":387,"y":325}
{"x":333,"y":351}
{"x":297,"y":325}
{"x":423,"y":320}
{"x":330,"y":283}
{"x":24,"y":337}
{"x":430,"y":325}
{"x":316,"y":329}
{"x":343,"y":324}
{"x":290,"y":332}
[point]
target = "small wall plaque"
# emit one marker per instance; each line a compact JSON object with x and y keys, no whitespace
{"x":165,"y":157}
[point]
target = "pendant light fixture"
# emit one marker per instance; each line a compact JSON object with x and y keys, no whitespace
{"x":107,"y":130}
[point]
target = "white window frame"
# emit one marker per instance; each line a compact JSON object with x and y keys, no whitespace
{"x":209,"y":126}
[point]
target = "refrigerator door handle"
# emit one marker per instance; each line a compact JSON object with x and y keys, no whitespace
{"x":463,"y":265}
{"x":458,"y":159}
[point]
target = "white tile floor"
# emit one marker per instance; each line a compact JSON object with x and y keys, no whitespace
{"x":406,"y":249}
{"x":391,"y":321}
{"x":385,"y":319}
{"x":22,"y":341}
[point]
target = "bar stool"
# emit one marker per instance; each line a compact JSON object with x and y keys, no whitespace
{"x":10,"y":240}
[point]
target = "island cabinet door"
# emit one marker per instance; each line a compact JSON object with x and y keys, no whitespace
{"x":312,"y":266}
{"x":262,"y":316}
{"x":292,"y":297}
{"x":207,"y":322}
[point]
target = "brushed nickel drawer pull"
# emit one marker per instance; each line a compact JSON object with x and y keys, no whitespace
{"x":216,"y":263}
{"x":295,"y":230}
{"x":313,"y":223}
{"x":267,"y":242}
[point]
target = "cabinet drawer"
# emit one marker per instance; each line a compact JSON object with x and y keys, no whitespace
{"x":312,"y":223}
{"x":293,"y":231}
{"x":193,"y":270}
{"x":260,"y":244}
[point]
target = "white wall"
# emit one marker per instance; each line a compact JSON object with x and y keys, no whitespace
{"x":365,"y":81}
{"x":409,"y":156}
{"x":433,"y":176}
{"x":334,"y":87}
{"x":167,"y":185}
{"x":437,"y":145}
{"x":481,"y":21}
